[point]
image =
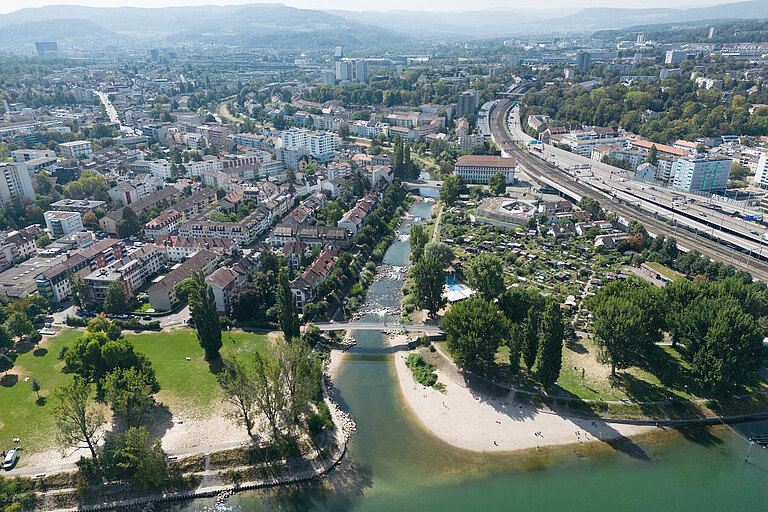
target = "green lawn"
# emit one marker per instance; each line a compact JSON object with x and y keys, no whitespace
{"x":185,"y":384}
{"x":665,"y":271}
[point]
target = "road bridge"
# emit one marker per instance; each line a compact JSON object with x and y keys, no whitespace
{"x":417,"y":184}
{"x":379,"y":326}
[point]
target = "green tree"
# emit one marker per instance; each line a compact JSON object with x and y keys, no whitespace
{"x":418,"y":240}
{"x":35,"y":384}
{"x":449,"y":192}
{"x":486,"y":275}
{"x":136,"y":457}
{"x":115,"y":300}
{"x":344,"y":131}
{"x":6,"y":342}
{"x":6,"y":363}
{"x":202,"y":307}
{"x":129,"y":224}
{"x":441,"y":251}
{"x":129,"y":394}
{"x":428,"y":280}
{"x":531,"y":338}
{"x":475,"y":329}
{"x":77,"y":418}
{"x":80,"y":294}
{"x":498,"y":183}
{"x":653,"y":157}
{"x":19,"y":325}
{"x":302,"y":373}
{"x":269,"y":392}
{"x":288,"y":314}
{"x":550,"y":356}
{"x":515,"y":345}
{"x":236,"y":381}
{"x":616,"y":324}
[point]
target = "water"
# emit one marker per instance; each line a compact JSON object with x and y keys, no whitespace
{"x":394,"y":464}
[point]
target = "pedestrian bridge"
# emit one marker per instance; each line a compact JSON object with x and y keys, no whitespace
{"x":416,"y":185}
{"x":381,"y":326}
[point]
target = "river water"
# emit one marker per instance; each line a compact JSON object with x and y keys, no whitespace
{"x":394,"y":464}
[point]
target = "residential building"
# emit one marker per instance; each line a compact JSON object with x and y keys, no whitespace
{"x":361,"y":70}
{"x":305,"y":286}
{"x":344,"y":69}
{"x":15,"y":246}
{"x":313,"y":236}
{"x":162,"y":198}
{"x":63,"y":223}
{"x":78,"y":150}
{"x":701,"y":173}
{"x":179,"y":248}
{"x":329,"y":77}
{"x":480,"y":168}
{"x":583,"y":61}
{"x":81,"y":206}
{"x":675,"y":56}
{"x":161,"y":294}
{"x":15,"y":182}
{"x":467,"y":142}
{"x":467,"y":103}
{"x":19,"y":281}
{"x":353,"y":220}
{"x":25,"y":155}
{"x":296,"y":251}
{"x":167,"y":223}
{"x":131,"y":271}
{"x":223,"y":281}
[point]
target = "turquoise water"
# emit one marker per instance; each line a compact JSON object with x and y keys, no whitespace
{"x":393,"y":464}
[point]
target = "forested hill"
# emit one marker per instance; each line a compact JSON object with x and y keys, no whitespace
{"x":732,"y":31}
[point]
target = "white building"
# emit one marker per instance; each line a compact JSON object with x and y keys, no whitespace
{"x":761,"y":174}
{"x":63,"y":223}
{"x":480,"y":168}
{"x":15,"y":182}
{"x":362,"y":70}
{"x":25,"y":155}
{"x":344,"y":70}
{"x":702,"y":173}
{"x":79,"y":149}
{"x":329,"y":77}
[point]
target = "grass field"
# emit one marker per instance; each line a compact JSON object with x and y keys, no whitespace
{"x":185,"y":384}
{"x":665,"y":271}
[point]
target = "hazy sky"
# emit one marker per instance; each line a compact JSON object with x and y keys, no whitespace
{"x":357,"y":5}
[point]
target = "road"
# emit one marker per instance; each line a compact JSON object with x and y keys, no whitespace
{"x":543,"y":172}
{"x":112,"y":112}
{"x":363,"y":326}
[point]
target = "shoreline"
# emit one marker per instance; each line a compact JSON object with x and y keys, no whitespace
{"x":479,"y":423}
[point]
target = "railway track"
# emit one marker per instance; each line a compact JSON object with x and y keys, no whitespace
{"x":710,"y":248}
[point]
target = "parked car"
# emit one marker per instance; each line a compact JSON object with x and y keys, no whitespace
{"x":147,"y":318}
{"x":11,"y":458}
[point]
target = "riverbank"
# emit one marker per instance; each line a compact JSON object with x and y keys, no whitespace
{"x":482,"y":422}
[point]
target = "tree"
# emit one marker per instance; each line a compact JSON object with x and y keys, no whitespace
{"x":80,"y":294}
{"x":77,"y":419}
{"x":246,"y":301}
{"x":115,"y":300}
{"x":129,"y":393}
{"x":202,"y":307}
{"x":19,"y":325}
{"x":129,"y":225}
{"x":475,"y":329}
{"x":35,"y":384}
{"x":441,"y":251}
{"x":134,"y":456}
{"x":550,"y":356}
{"x":486,"y":275}
{"x":418,"y":239}
{"x":236,"y":381}
{"x":302,"y":373}
{"x":731,"y":351}
{"x":616,"y":324}
{"x":6,"y":342}
{"x":429,"y":279}
{"x":497,"y":183}
{"x":515,"y":345}
{"x":653,"y":158}
{"x":344,"y":131}
{"x":288,"y":314}
{"x":90,"y":220}
{"x":531,"y":338}
{"x":6,"y":363}
{"x":450,"y":190}
{"x":269,"y":390}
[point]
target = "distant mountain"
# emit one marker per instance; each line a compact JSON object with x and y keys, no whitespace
{"x":254,"y":23}
{"x":50,"y":30}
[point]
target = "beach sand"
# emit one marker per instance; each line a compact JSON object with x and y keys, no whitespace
{"x":482,"y":423}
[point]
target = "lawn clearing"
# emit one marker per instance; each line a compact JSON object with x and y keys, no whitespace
{"x":665,"y":271}
{"x":185,"y":384}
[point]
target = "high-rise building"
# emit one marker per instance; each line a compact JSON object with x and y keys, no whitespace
{"x":63,"y":223}
{"x":15,"y":182}
{"x":344,"y":70}
{"x":362,"y":70}
{"x":702,"y":173}
{"x":329,"y":77}
{"x":467,"y":103}
{"x":78,"y":149}
{"x":154,"y":54}
{"x":761,"y":174}
{"x":675,"y":56}
{"x":338,"y":54}
{"x":46,"y":48}
{"x":583,"y":61}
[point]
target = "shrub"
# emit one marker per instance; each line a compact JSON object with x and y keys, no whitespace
{"x":76,"y":321}
{"x":423,"y":371}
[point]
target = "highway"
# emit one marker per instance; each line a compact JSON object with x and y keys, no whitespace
{"x":630,"y":205}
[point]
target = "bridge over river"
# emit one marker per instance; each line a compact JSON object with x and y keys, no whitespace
{"x":381,"y":326}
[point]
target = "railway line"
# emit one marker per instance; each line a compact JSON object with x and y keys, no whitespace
{"x":539,"y":169}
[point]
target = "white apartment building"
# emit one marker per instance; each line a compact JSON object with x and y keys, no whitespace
{"x":79,"y":149}
{"x":15,"y":182}
{"x":25,"y":155}
{"x":761,"y":174}
{"x":294,"y":137}
{"x":702,"y":173}
{"x":63,"y":223}
{"x":480,"y":168}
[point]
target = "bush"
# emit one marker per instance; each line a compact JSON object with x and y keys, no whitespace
{"x":135,"y":325}
{"x":423,"y":371}
{"x":76,"y":321}
{"x":62,"y":353}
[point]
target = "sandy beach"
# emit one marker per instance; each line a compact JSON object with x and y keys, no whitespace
{"x":487,"y":424}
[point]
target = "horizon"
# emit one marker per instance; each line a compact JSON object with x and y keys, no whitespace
{"x":402,"y":6}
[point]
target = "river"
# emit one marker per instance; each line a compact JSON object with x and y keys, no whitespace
{"x":393,"y":463}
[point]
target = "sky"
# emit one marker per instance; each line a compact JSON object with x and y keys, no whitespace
{"x":357,"y":5}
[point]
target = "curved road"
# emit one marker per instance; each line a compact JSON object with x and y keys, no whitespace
{"x":543,"y":173}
